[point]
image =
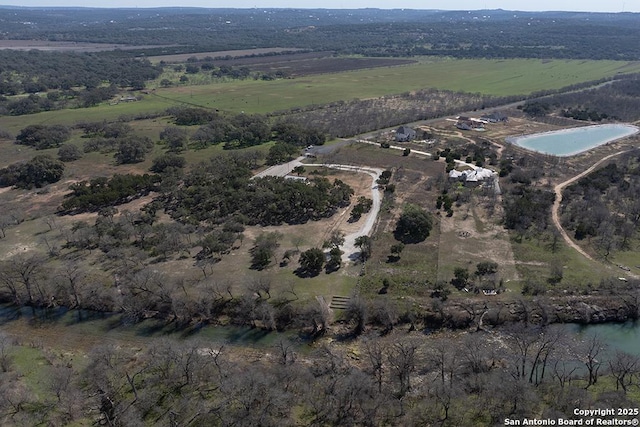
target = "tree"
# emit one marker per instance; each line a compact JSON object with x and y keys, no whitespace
{"x":281,"y":152}
{"x":486,"y":268}
{"x":363,"y":205}
{"x":69,"y":153}
{"x":364,"y":243}
{"x":414,"y":225}
{"x":167,"y":161}
{"x":460,"y":277}
{"x":402,"y":361}
{"x":133,"y":150}
{"x":396,"y":250}
{"x":335,"y":259}
{"x":37,"y":172}
{"x":174,"y":138}
{"x":264,"y":249}
{"x":21,"y":276}
{"x":312,"y":261}
{"x":384,"y":178}
{"x":6,"y":356}
{"x":336,"y":239}
{"x":591,"y":350}
{"x":42,"y":137}
{"x":357,"y":312}
{"x":624,"y":367}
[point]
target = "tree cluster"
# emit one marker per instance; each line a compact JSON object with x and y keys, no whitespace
{"x":222,"y":188}
{"x":42,"y":137}
{"x":526,"y":206}
{"x":117,"y":138}
{"x":101,"y":192}
{"x":614,"y":100}
{"x":344,"y":119}
{"x":40,"y":71}
{"x":37,"y":172}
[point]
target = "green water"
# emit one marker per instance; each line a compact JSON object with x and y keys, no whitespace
{"x":618,"y":336}
{"x":112,"y":328}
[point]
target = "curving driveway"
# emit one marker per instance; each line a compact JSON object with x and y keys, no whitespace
{"x":351,"y":252}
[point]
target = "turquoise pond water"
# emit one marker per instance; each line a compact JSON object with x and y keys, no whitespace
{"x":568,"y":142}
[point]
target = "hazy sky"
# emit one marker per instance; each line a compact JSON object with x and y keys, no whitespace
{"x":530,"y":5}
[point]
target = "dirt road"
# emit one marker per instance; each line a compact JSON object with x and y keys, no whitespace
{"x":349,"y":247}
{"x":555,"y":212}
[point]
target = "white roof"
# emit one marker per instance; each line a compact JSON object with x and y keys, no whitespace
{"x":475,"y":175}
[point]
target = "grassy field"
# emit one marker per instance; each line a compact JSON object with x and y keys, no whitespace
{"x":490,"y":77}
{"x":534,"y":260}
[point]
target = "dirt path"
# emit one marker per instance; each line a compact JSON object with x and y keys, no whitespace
{"x":555,"y":212}
{"x":349,"y":246}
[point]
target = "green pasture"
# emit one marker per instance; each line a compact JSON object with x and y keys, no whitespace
{"x":490,"y":77}
{"x":534,"y":259}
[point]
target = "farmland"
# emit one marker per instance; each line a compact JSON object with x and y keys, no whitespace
{"x":489,"y":77}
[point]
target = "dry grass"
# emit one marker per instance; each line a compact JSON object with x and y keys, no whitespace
{"x":472,"y":235}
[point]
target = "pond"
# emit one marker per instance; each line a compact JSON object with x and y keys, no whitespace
{"x":569,"y":142}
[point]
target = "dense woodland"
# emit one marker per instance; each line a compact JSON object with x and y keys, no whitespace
{"x":489,"y":33}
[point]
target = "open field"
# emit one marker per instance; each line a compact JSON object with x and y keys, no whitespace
{"x":490,"y":77}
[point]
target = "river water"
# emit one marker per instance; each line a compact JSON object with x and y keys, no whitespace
{"x":618,"y":336}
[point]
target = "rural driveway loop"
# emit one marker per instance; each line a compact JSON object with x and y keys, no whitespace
{"x":349,"y":246}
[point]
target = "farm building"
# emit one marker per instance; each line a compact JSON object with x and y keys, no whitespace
{"x":405,"y":134}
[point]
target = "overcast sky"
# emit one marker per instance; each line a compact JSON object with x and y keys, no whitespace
{"x":529,"y":5}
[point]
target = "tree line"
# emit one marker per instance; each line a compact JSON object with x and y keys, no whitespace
{"x":614,"y":100}
{"x":403,"y":380}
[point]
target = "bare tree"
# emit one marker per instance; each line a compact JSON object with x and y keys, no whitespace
{"x":357,"y":312}
{"x":624,"y":367}
{"x":591,"y":351}
{"x":286,"y":355}
{"x":376,"y":351}
{"x":74,"y":280}
{"x":402,"y":361}
{"x":20,"y":275}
